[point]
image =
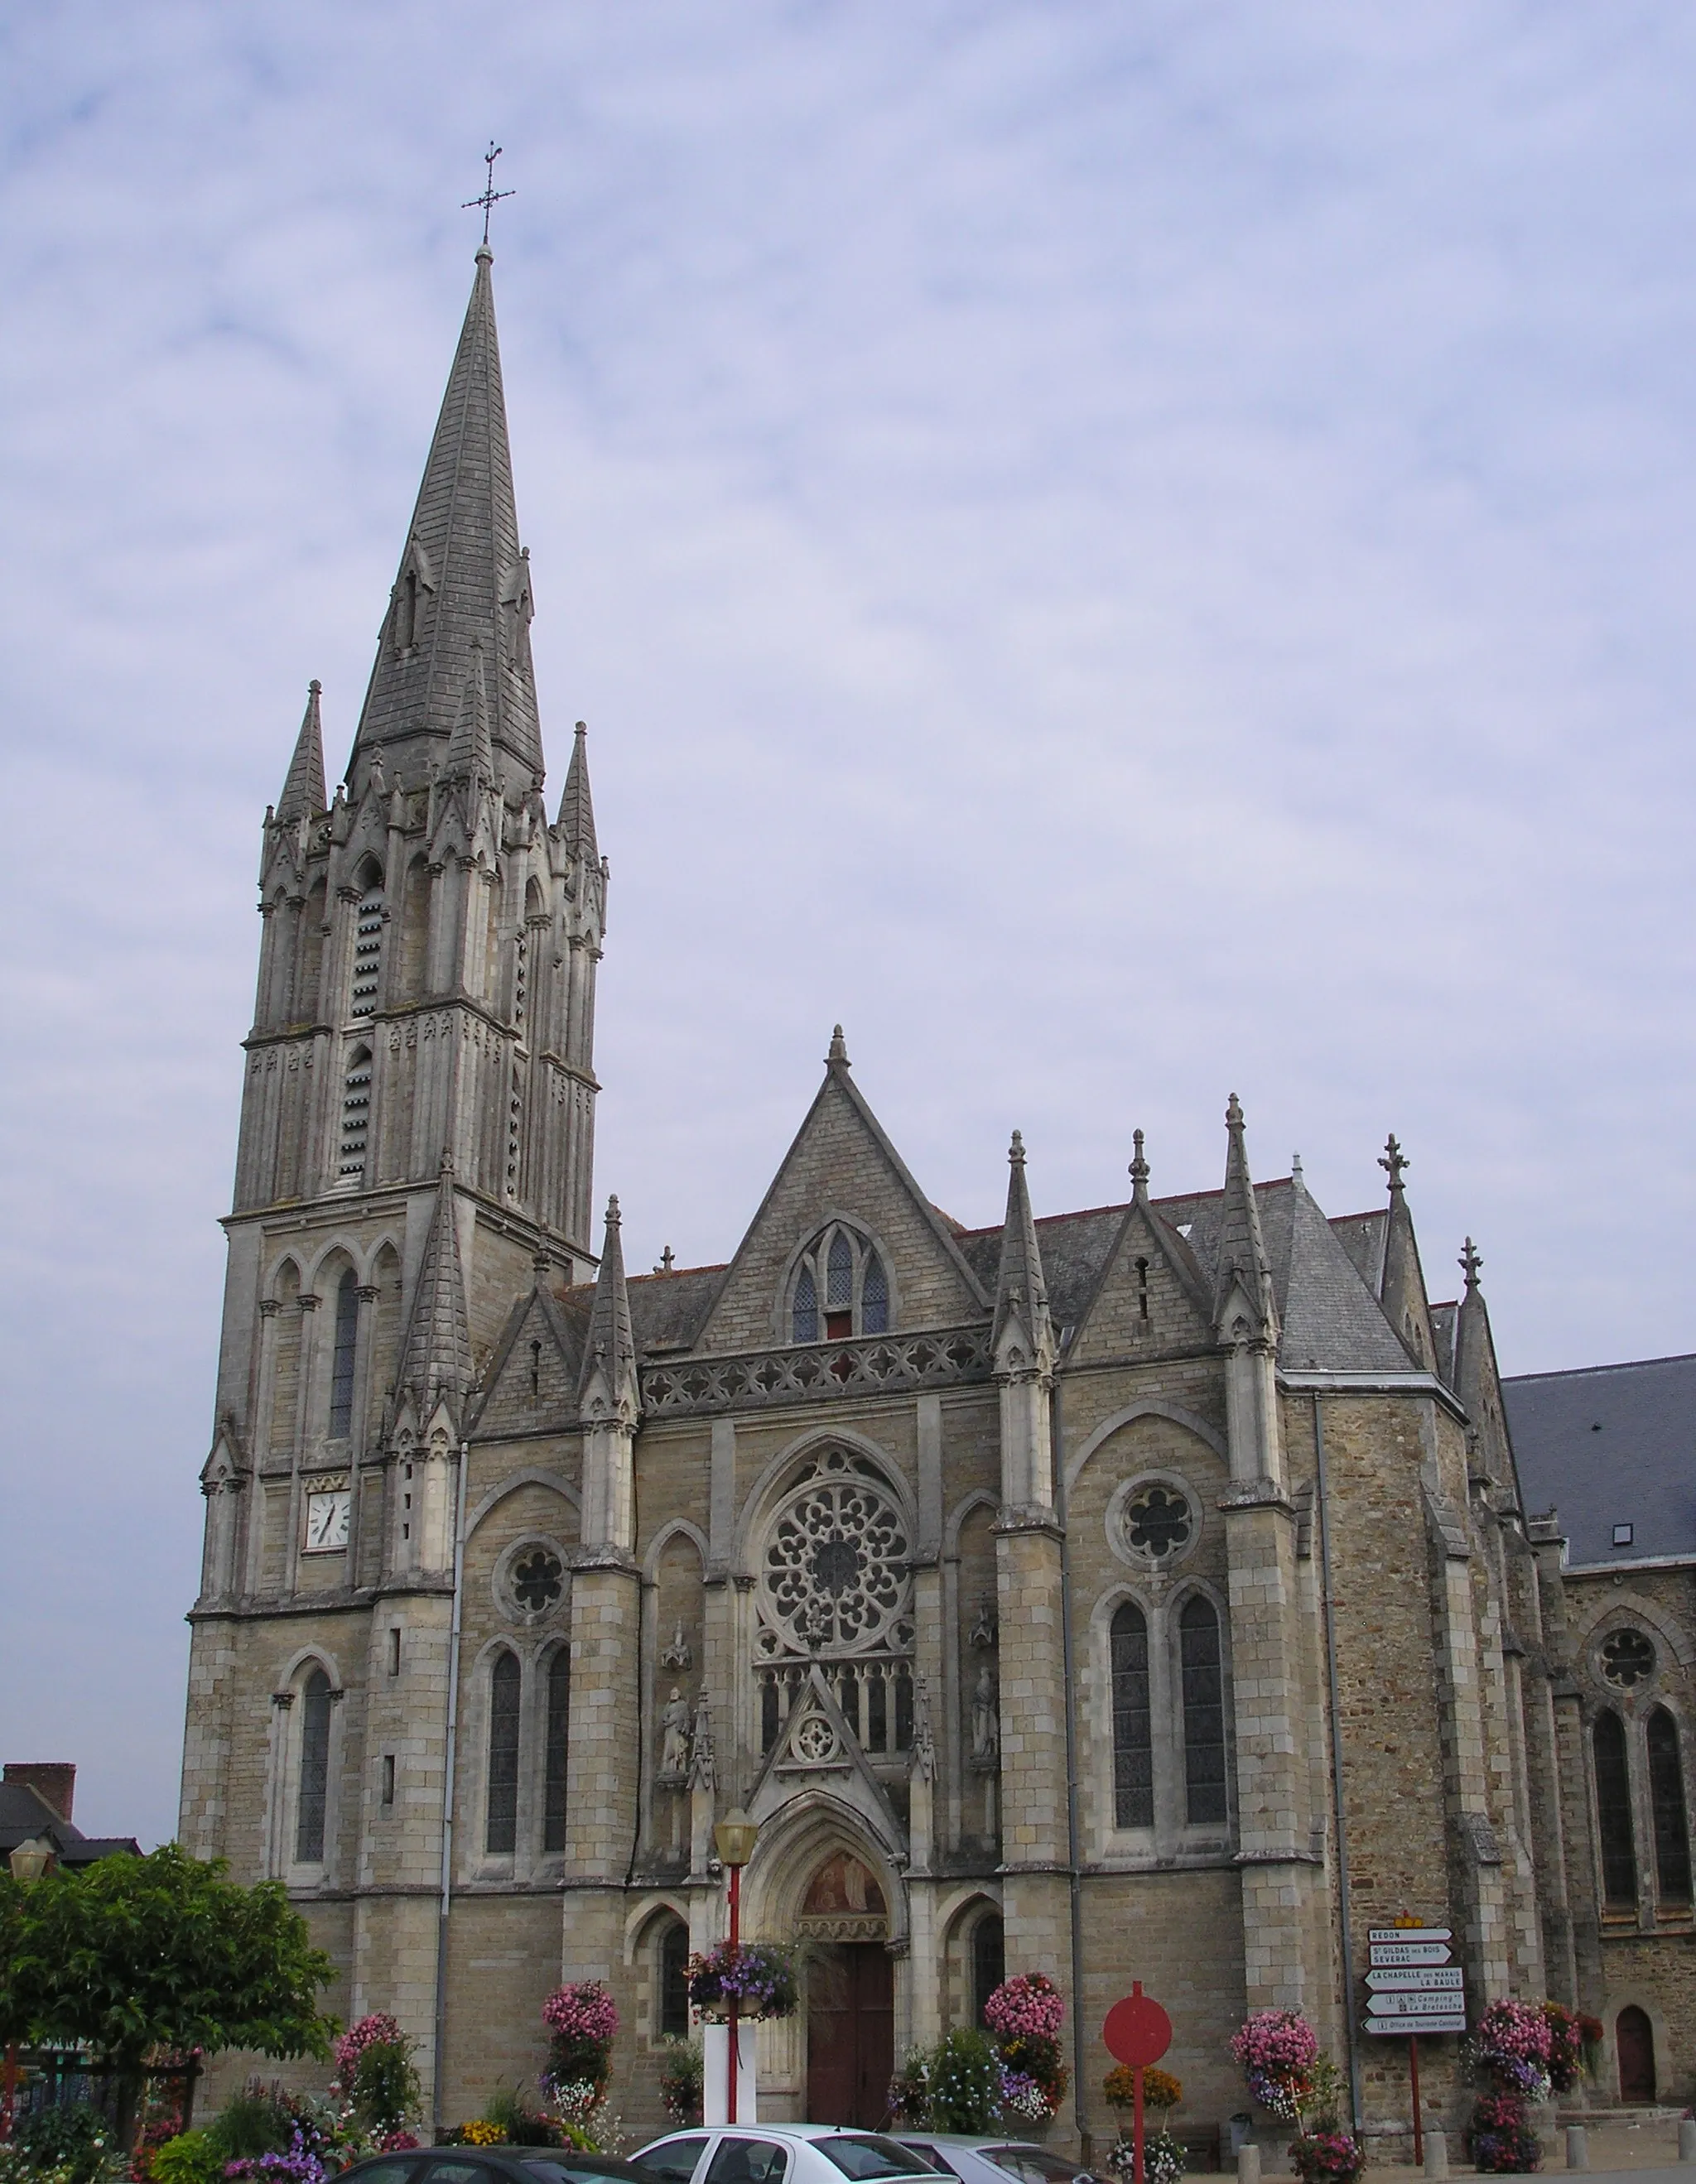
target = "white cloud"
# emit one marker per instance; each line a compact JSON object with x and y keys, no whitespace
{"x":1127,"y":554}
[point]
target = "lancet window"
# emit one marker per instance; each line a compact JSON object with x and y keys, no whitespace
{"x":344,"y":1355}
{"x":1133,"y":1736}
{"x":556,"y":1730}
{"x":1203,"y":1680}
{"x":840,"y":1289}
{"x":500,"y":1828}
{"x":1614,"y":1809}
{"x":1667,"y":1809}
{"x":312,"y":1800}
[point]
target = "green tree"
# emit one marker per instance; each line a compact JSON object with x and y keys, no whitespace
{"x":133,"y":1955}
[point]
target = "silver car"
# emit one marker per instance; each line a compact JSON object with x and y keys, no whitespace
{"x":782,"y":2154}
{"x":992,"y":2160}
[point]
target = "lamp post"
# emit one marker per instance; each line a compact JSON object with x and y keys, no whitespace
{"x":29,"y":1862}
{"x":733,"y":1840}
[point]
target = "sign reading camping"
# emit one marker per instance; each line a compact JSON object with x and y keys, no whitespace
{"x":1413,"y":1987}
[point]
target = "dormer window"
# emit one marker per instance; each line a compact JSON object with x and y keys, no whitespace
{"x":839,"y":1289}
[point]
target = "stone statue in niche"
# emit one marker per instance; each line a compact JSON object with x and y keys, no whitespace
{"x":674,"y":1735}
{"x":986,"y":1728}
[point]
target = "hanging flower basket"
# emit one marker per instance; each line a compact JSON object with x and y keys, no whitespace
{"x":1163,"y":2159}
{"x":583,"y":2022}
{"x":760,"y":1975}
{"x":1277,"y":2050}
{"x":1025,"y":2014}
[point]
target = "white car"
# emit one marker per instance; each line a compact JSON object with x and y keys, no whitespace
{"x":780,"y":2154}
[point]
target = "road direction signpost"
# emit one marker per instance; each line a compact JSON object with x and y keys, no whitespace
{"x":1137,"y":2033}
{"x":1413,"y":1987}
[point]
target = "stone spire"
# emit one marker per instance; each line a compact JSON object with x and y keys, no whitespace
{"x":1021,"y":1293}
{"x":610,"y":1403}
{"x":1402,"y":1291}
{"x":577,"y":810}
{"x":838,"y":1055}
{"x":435,"y":1360}
{"x":610,"y":1353}
{"x":1244,"y":1270}
{"x":303,"y":788}
{"x":463,"y":578}
{"x":1022,"y":1351}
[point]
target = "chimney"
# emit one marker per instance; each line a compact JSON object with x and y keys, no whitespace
{"x":53,"y":1781}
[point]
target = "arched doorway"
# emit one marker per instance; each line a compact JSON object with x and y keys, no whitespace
{"x":849,"y":1995}
{"x":1634,"y":2046}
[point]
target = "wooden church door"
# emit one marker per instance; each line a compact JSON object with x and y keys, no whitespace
{"x":1634,"y":2045}
{"x":851,"y":2000}
{"x":850,"y":2036}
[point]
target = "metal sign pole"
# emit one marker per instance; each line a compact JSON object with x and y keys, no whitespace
{"x":1414,"y":2073}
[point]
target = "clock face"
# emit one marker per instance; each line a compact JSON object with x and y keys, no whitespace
{"x":327,"y":1516}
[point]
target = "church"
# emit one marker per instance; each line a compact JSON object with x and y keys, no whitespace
{"x":1142,"y":1592}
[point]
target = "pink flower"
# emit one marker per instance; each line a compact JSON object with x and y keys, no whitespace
{"x":1029,"y":2007}
{"x":379,"y":2030}
{"x":583,"y":2011}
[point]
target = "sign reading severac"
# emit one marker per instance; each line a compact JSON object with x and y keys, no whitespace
{"x":1413,"y":1987}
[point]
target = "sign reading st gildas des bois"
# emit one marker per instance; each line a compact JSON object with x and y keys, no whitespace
{"x":1413,"y":1987}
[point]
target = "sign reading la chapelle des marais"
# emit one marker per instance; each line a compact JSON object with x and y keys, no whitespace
{"x":1413,"y":1986}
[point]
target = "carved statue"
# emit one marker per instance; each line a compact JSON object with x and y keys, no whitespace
{"x":674,"y":1739}
{"x":986,"y":1728}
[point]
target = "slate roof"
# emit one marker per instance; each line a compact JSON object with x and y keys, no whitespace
{"x":25,"y":1816}
{"x":1610,"y":1444}
{"x":1331,"y":1320}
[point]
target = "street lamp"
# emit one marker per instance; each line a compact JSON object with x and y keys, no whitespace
{"x":28,"y":1862}
{"x":733,"y":1840}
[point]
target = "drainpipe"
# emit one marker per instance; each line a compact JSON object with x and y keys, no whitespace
{"x":1057,"y":1445}
{"x":448,"y":1793}
{"x":1337,"y":1805}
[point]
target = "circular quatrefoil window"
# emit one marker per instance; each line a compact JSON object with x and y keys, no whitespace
{"x":1152,"y":1522}
{"x":833,"y":1576}
{"x":1627,"y":1659}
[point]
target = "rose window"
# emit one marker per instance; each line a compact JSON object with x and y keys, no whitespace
{"x":1627,"y":1658}
{"x":833,"y":1576}
{"x":539,"y":1578}
{"x":1158,"y":1522}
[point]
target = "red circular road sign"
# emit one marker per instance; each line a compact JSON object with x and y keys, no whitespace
{"x":1138,"y":2031}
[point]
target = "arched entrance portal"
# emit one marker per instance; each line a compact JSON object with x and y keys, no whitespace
{"x":849,"y":1995}
{"x":1634,"y":2045}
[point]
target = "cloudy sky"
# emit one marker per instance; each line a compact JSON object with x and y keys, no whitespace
{"x":1126,"y":551}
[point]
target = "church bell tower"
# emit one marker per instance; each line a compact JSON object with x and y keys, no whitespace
{"x":418,"y":1104}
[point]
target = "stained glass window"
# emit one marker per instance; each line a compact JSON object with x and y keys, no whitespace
{"x":501,"y":1832}
{"x":874,"y":1297}
{"x":559,"y":1724}
{"x":806,"y":1307}
{"x":315,"y":1769}
{"x":1198,"y":1648}
{"x":840,"y":1277}
{"x":347,"y":1346}
{"x":1666,"y":1802}
{"x":1614,"y":1810}
{"x":1133,"y":1738}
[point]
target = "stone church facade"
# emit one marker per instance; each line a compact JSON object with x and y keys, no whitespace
{"x":1142,"y":1592}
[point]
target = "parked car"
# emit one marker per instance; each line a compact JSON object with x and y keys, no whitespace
{"x":495,"y":2164}
{"x":992,"y":2160}
{"x":780,"y":2154}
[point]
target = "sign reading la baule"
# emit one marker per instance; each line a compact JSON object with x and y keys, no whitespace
{"x":1413,"y":1987}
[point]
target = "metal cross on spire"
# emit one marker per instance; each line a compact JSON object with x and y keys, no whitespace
{"x":491,"y":197}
